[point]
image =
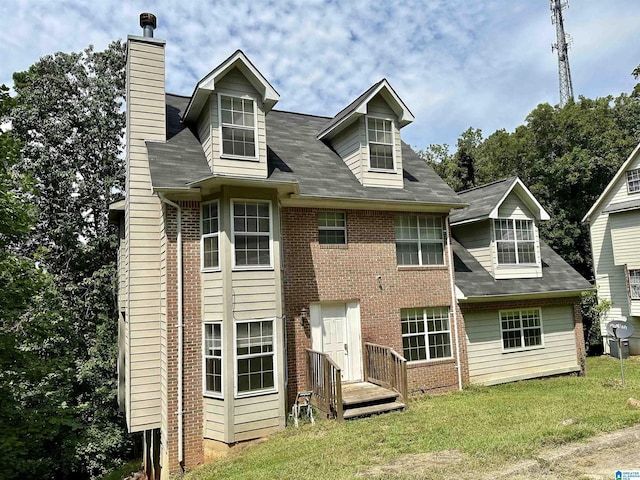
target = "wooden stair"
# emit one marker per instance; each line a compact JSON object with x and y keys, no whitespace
{"x":363,"y":399}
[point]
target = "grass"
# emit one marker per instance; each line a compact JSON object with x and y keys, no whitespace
{"x":123,"y":471}
{"x":492,"y":426}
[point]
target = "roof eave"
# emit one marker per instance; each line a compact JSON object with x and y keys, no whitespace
{"x":368,"y":203}
{"x":522,"y":296}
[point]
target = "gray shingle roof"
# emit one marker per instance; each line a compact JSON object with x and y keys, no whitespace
{"x":482,"y":200}
{"x":294,"y":155}
{"x":623,"y":206}
{"x":557,"y":276}
{"x":180,"y":159}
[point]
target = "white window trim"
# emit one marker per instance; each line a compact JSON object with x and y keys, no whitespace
{"x":233,"y":235}
{"x":426,"y":336}
{"x":629,"y":191}
{"x":536,"y":243}
{"x":207,"y":393}
{"x":522,"y":348}
{"x":256,"y":157}
{"x":393,"y":144}
{"x":636,"y":272}
{"x":254,"y":393}
{"x":209,"y":235}
{"x":332,"y":229}
{"x":419,"y":240}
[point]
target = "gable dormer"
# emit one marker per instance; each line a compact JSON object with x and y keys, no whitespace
{"x":228,"y":109}
{"x":366,"y":135}
{"x":500,"y":228}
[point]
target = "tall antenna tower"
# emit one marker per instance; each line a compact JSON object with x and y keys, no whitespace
{"x":563,"y":41}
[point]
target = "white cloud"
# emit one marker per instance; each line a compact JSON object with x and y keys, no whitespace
{"x":457,"y":63}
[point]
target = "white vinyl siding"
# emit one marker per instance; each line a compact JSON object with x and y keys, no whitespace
{"x":426,"y":333}
{"x":488,"y":364}
{"x":213,"y":359}
{"x":210,"y":246}
{"x":332,"y":228}
{"x":252,"y":239}
{"x":419,"y":240}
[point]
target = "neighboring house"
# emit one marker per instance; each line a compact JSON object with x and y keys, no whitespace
{"x":614,"y":223}
{"x":520,"y":300}
{"x":266,"y":252}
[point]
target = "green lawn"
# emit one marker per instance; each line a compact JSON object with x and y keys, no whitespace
{"x":491,"y":425}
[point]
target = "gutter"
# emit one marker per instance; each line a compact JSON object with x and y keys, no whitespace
{"x":454,"y":304}
{"x":180,"y":322}
{"x":523,"y":296}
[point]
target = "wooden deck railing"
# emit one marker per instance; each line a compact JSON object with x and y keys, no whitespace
{"x":324,"y":379}
{"x":385,"y":367}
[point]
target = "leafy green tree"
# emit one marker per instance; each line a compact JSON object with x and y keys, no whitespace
{"x":68,"y":116}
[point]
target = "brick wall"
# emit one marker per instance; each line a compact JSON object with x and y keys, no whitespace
{"x":323,"y":273}
{"x":192,"y":337}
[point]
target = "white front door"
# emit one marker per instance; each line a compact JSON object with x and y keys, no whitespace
{"x":335,"y":330}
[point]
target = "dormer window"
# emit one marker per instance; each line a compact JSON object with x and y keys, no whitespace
{"x":515,"y":241}
{"x":238,"y":125}
{"x":633,"y":180}
{"x":380,"y":136}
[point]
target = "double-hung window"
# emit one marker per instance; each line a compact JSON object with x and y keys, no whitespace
{"x":213,"y":358}
{"x":209,"y":245}
{"x":419,"y":240}
{"x":238,"y":126}
{"x":255,"y":353}
{"x":426,"y":333}
{"x":252,"y":233}
{"x":332,"y":228}
{"x":633,"y":180}
{"x":521,"y":329}
{"x":380,"y":133}
{"x":515,"y":241}
{"x":634,"y":284}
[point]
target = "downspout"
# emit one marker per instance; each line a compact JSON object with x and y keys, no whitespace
{"x":180,"y":318}
{"x":454,"y":304}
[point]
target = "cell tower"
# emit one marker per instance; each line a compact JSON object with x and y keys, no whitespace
{"x":563,"y":41}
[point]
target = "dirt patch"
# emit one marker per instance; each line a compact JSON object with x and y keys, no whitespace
{"x":597,"y":458}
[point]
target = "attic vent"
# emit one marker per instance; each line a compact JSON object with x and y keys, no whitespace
{"x":148,"y":24}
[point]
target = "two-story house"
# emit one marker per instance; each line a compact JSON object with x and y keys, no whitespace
{"x":266,"y":252}
{"x":614,"y":225}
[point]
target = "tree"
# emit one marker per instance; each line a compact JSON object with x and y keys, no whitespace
{"x":68,"y":116}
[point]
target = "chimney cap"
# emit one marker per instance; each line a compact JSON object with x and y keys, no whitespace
{"x":148,"y":20}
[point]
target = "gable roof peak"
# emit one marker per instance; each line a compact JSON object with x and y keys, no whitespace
{"x":207,"y":84}
{"x":358,"y":108}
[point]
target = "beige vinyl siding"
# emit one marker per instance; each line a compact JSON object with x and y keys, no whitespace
{"x":212,"y":297}
{"x":625,"y":237}
{"x":254,"y":294}
{"x":234,"y":83}
{"x":214,"y":419}
{"x":146,"y":121}
{"x":256,"y":417}
{"x":350,"y":145}
{"x":164,"y":370}
{"x":620,"y":191}
{"x":514,"y":208}
{"x":476,"y":238}
{"x":377,"y":107}
{"x":488,"y":365}
{"x":204,"y":130}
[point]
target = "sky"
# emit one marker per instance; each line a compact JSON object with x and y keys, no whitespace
{"x":455,"y":63}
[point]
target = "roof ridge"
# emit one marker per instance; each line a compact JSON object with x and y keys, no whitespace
{"x":495,"y":182}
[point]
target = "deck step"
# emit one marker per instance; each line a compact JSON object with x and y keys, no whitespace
{"x":366,"y":393}
{"x":373,"y":409}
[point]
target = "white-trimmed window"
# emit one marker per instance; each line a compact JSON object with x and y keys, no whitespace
{"x":332,"y":228}
{"x":209,"y":244}
{"x":380,"y":136}
{"x":419,"y":240}
{"x":515,"y":241}
{"x":521,"y":329}
{"x":255,"y":356}
{"x":213,"y":359}
{"x":633,"y":180}
{"x":426,"y":333}
{"x":634,"y":284}
{"x":238,"y":126}
{"x":251,"y":233}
